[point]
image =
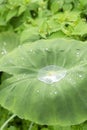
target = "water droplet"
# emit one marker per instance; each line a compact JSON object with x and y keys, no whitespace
{"x":4,"y":51}
{"x":37,"y":91}
{"x":31,"y":50}
{"x":46,"y":49}
{"x":51,"y":74}
{"x":55,"y":92}
{"x":80,"y":76}
{"x":78,"y":52}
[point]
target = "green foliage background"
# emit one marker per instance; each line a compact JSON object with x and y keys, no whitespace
{"x":31,"y":20}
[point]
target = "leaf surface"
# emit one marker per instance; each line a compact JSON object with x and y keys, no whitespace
{"x":8,"y":41}
{"x":63,"y":102}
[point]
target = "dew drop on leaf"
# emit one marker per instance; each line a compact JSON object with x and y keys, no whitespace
{"x":51,"y":74}
{"x":55,"y":92}
{"x":80,"y":76}
{"x":78,"y":52}
{"x":4,"y":51}
{"x":46,"y":49}
{"x":37,"y":91}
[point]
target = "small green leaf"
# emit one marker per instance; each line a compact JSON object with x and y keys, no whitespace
{"x":54,"y":6}
{"x":21,"y":10}
{"x":83,"y":2}
{"x":30,"y":35}
{"x":57,"y":34}
{"x":67,"y":7}
{"x":80,"y":29}
{"x":11,"y":14}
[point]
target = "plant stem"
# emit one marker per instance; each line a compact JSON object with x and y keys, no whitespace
{"x":31,"y":125}
{"x":5,"y":124}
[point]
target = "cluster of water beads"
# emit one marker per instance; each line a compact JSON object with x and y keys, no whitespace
{"x":51,"y":74}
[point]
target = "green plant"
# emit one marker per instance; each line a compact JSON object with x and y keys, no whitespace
{"x":23,"y":25}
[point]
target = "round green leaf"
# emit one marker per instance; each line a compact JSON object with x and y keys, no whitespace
{"x":49,"y":82}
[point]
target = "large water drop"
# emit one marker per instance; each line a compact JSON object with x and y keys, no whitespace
{"x":51,"y":74}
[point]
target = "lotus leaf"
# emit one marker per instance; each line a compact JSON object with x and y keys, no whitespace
{"x":49,"y":83}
